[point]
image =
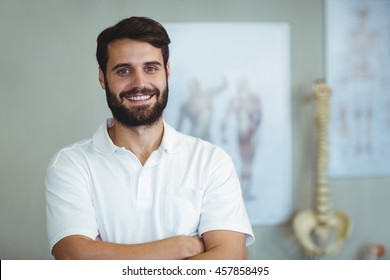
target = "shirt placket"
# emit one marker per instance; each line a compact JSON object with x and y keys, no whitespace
{"x":145,"y":184}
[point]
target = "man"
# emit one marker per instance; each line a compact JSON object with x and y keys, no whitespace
{"x":138,"y":189}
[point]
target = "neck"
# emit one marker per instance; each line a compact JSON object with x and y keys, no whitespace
{"x":142,"y":141}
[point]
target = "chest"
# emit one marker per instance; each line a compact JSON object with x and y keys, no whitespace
{"x":163,"y":196}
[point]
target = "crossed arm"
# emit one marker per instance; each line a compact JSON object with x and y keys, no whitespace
{"x":222,"y":244}
{"x":218,"y":244}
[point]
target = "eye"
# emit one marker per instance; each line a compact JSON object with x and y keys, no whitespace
{"x":150,"y":69}
{"x":123,"y":72}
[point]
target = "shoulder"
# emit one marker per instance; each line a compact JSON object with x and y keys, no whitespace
{"x":71,"y":154}
{"x":68,"y":167}
{"x":199,"y":149}
{"x":82,"y":151}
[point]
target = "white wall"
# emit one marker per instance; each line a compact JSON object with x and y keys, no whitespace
{"x":50,"y":97}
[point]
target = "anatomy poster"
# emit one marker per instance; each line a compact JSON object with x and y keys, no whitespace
{"x":358,"y":71}
{"x":230,"y":85}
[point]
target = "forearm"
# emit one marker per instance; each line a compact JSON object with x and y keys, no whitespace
{"x":220,"y":254}
{"x":79,"y":247}
{"x":222,"y":245}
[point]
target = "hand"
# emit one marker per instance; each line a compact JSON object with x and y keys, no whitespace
{"x":186,"y":246}
{"x":198,"y":245}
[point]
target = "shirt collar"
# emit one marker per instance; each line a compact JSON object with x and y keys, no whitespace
{"x":171,"y":141}
{"x":103,"y":143}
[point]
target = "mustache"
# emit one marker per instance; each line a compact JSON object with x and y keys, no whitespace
{"x":135,"y":91}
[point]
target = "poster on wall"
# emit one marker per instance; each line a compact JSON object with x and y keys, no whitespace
{"x":358,"y":71}
{"x":230,"y":85}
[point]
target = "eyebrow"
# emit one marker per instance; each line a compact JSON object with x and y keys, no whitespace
{"x":120,"y":65}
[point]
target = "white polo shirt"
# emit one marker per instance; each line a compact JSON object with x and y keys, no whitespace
{"x":186,"y":187}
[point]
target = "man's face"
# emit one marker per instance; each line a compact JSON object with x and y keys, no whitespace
{"x":135,"y":82}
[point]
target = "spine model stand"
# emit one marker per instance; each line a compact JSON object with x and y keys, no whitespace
{"x":322,"y":231}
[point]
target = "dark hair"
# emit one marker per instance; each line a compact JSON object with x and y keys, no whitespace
{"x":137,"y":28}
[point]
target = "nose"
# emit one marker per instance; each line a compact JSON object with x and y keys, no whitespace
{"x":138,"y":79}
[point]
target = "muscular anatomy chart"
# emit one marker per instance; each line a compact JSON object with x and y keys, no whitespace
{"x":231,"y":86}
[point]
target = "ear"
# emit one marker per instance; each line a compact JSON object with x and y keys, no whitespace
{"x":101,"y":79}
{"x":168,"y":70}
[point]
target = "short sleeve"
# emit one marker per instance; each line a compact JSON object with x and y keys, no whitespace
{"x":223,"y":206}
{"x":69,"y":206}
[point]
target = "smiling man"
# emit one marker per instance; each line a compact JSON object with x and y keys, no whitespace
{"x":138,"y":189}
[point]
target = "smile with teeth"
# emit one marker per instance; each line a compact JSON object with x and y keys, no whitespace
{"x":139,"y":97}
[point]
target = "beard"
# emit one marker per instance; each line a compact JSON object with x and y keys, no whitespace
{"x":143,"y":115}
